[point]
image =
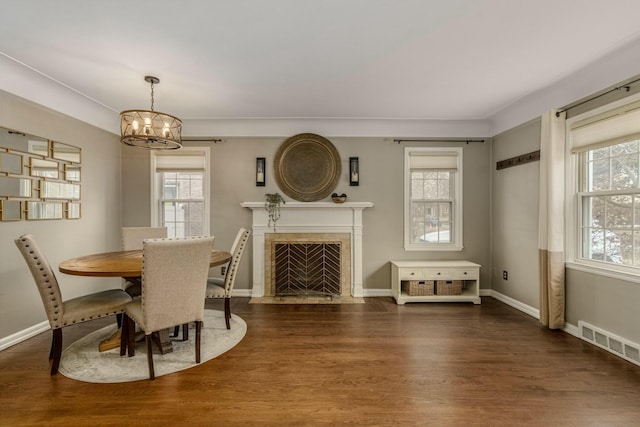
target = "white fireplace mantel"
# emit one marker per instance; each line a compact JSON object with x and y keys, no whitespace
{"x":309,"y":217}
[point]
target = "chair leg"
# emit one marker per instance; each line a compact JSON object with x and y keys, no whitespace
{"x":51,"y":350}
{"x":185,"y":332}
{"x":119,"y":319}
{"x":198,"y":339}
{"x":176,"y":329}
{"x":56,"y":350}
{"x":152,"y":374}
{"x":227,"y":312}
{"x":131,"y":335}
{"x":124,"y":335}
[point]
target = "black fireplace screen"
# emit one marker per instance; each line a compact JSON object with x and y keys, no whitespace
{"x":307,"y":269}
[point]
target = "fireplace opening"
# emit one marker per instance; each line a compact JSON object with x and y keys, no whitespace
{"x":307,"y":269}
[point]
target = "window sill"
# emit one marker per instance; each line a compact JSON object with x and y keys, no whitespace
{"x":434,"y":248}
{"x":628,"y":276}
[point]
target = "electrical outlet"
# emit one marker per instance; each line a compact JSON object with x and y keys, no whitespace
{"x":505,"y":275}
{"x":223,"y":270}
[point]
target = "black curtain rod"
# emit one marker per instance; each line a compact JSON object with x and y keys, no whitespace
{"x":439,"y":140}
{"x":626,"y":87}
{"x":214,"y":140}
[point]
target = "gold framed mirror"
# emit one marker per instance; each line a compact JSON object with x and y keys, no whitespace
{"x":10,"y":210}
{"x":20,"y":141}
{"x":73,"y":210}
{"x":44,"y":210}
{"x":65,"y":152}
{"x":44,"y":168}
{"x":59,"y":190}
{"x":11,"y":163}
{"x":16,"y":187}
{"x":72,"y":173}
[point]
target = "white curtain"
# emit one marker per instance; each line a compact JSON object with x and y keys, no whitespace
{"x":551,"y":220}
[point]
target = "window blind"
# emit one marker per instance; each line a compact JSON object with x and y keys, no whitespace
{"x":613,"y":127}
{"x":448,"y":161}
{"x":191,"y":161}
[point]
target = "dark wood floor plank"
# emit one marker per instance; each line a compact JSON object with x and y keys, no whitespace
{"x":361,"y":364}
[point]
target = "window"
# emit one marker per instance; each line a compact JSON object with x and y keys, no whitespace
{"x":433,"y":199}
{"x":181,"y":189}
{"x":606,"y":148}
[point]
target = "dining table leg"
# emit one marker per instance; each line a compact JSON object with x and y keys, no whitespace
{"x":112,"y":342}
{"x":163,"y":341}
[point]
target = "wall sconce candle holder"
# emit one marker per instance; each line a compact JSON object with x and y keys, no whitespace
{"x":260,"y":171}
{"x":354,"y":171}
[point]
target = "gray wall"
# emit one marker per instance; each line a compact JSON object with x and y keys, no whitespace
{"x":514,"y":211}
{"x":97,"y":230}
{"x":381,"y":170}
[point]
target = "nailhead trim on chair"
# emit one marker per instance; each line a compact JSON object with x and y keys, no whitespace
{"x":51,"y":296}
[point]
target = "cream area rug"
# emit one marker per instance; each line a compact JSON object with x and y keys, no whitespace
{"x":82,"y":361}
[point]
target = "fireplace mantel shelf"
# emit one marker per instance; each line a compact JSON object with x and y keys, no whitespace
{"x":310,"y":205}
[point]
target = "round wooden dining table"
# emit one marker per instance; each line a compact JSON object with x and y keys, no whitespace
{"x":128,"y":265}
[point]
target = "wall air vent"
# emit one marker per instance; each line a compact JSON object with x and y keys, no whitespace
{"x":587,"y":333}
{"x":601,"y":339}
{"x":632,"y":353}
{"x":614,"y":344}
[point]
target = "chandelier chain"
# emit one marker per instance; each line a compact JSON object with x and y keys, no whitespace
{"x":152,"y":96}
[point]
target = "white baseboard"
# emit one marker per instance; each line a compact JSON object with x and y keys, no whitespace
{"x":531,"y":311}
{"x":23,"y":335}
{"x":241,"y":293}
{"x":572,"y":330}
{"x":370,"y":293}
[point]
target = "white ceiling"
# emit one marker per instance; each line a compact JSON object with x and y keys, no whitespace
{"x":336,"y":59}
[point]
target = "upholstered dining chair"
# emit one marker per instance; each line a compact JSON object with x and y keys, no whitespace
{"x":174,"y":275}
{"x":64,"y":313}
{"x":132,"y":238}
{"x":222,"y":288}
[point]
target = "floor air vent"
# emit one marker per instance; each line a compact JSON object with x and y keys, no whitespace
{"x":619,"y":346}
{"x":632,"y":353}
{"x":587,"y":333}
{"x":601,"y":339}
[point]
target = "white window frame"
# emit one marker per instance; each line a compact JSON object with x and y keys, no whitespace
{"x":156,"y":186}
{"x":573,"y":208}
{"x":456,"y":222}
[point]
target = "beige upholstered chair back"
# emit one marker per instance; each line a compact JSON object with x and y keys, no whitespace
{"x":239,"y":245}
{"x":174,"y":280}
{"x":45,"y":279}
{"x":132,"y":237}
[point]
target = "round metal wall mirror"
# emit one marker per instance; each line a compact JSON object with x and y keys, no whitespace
{"x":307,"y":167}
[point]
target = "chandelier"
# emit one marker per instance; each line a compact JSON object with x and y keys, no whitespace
{"x":150,"y":129}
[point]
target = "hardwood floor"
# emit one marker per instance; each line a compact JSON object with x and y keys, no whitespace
{"x":361,"y":364}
